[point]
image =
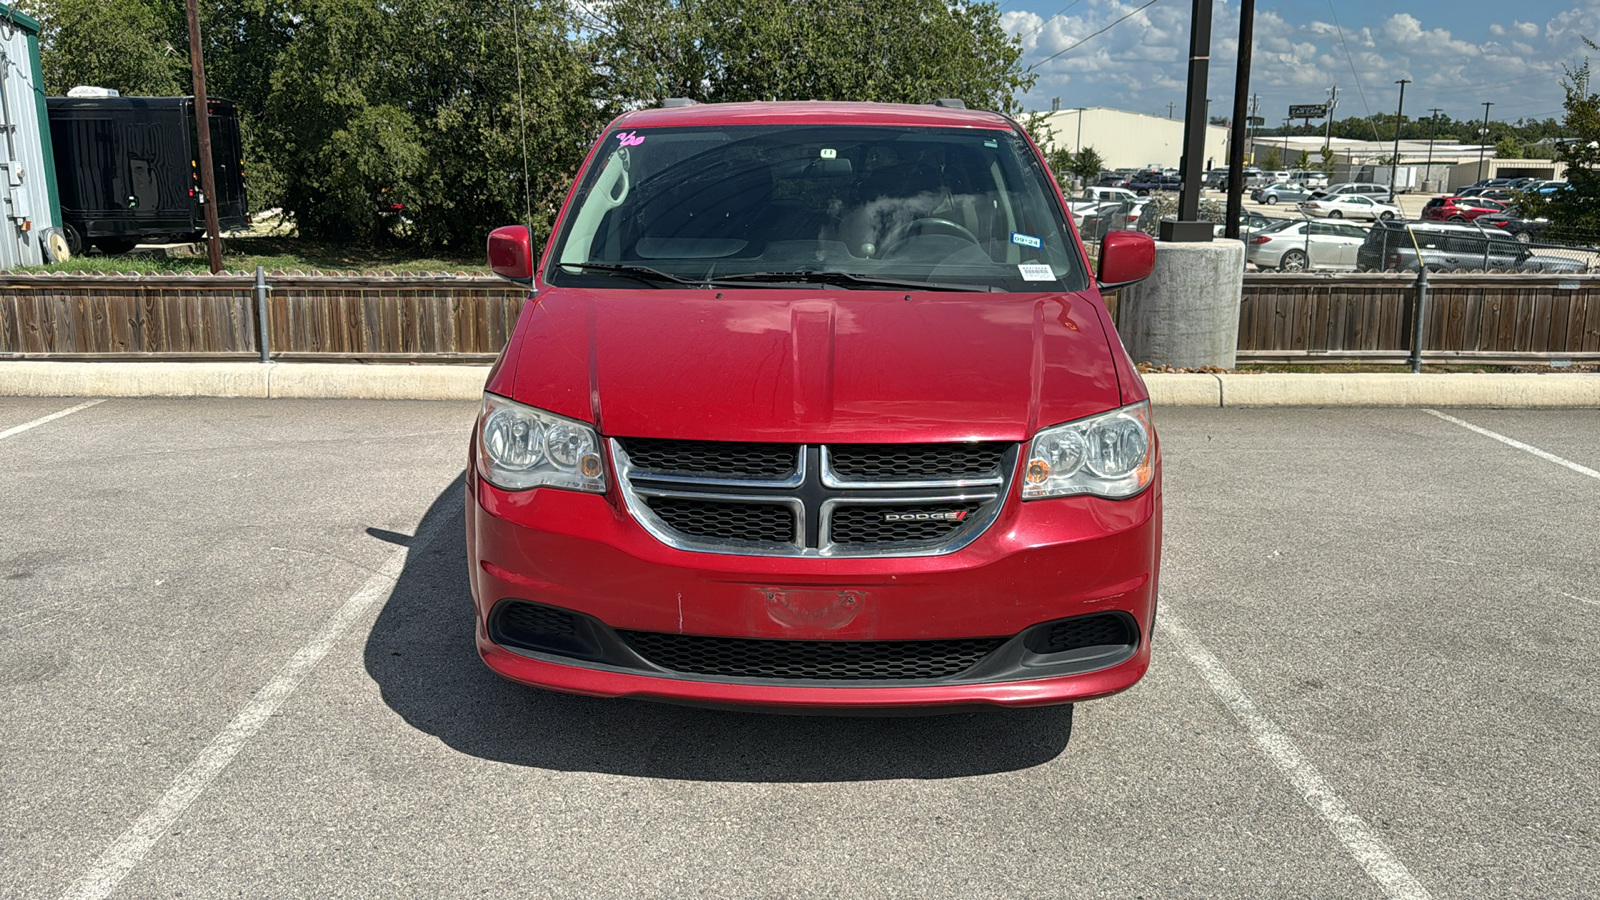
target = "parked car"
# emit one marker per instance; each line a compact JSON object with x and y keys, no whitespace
{"x":1149,"y":182}
{"x":1511,"y":221}
{"x":1103,"y":194}
{"x":1445,"y":247}
{"x":915,"y":435}
{"x":1249,"y":223}
{"x":1281,"y":191}
{"x":1487,"y":193}
{"x":1311,"y":178}
{"x":1459,"y":209}
{"x":1376,"y":192}
{"x":1548,"y":188}
{"x":1350,"y":206}
{"x":1295,"y":245}
{"x":1108,"y":216}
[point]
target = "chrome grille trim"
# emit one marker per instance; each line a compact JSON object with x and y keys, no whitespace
{"x":825,"y":497}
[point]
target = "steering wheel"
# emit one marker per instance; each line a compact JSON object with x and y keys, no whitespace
{"x":918,"y":226}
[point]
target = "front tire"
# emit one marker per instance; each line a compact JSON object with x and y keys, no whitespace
{"x":1523,"y":237}
{"x":1386,"y":216}
{"x":1293,"y":261}
{"x":1335,"y":214}
{"x":1270,"y":200}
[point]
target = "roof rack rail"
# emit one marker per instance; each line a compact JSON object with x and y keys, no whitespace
{"x":950,"y":103}
{"x":678,"y":102}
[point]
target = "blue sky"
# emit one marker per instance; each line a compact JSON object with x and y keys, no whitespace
{"x":1458,"y":53}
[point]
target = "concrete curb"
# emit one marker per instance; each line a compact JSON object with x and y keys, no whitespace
{"x":38,"y":378}
{"x":1531,"y":391}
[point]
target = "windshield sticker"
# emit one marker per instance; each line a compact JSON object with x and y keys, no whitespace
{"x":1026,"y":240}
{"x":1036,"y":272}
{"x":991,"y":143}
{"x":829,"y":153}
{"x":630,"y":139}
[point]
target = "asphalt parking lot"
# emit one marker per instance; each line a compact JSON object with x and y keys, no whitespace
{"x":236,"y":660}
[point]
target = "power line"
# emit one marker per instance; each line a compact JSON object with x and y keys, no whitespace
{"x":1042,"y":24}
{"x":1352,"y":60}
{"x":1093,"y":36}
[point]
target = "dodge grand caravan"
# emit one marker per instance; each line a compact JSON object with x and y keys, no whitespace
{"x":816,"y":405}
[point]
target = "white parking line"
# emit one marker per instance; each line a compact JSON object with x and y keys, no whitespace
{"x":18,"y":429}
{"x":1512,"y":442}
{"x":135,"y":843}
{"x":1358,"y":838}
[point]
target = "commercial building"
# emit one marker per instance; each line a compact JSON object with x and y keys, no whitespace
{"x":1128,"y":140}
{"x":1433,"y":167}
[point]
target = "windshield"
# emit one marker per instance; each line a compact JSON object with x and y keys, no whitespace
{"x":953,"y":208}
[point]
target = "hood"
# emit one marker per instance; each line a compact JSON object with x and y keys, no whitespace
{"x":806,"y":365}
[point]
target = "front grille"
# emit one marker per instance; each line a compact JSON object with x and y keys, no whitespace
{"x":808,"y":499}
{"x":898,"y":523}
{"x":823,"y":660}
{"x":730,"y":460}
{"x":1100,"y":630}
{"x":867,"y":463}
{"x":726,"y":521}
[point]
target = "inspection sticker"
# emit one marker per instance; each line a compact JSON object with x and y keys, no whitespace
{"x":1026,"y":240}
{"x":1036,"y":272}
{"x":829,"y":153}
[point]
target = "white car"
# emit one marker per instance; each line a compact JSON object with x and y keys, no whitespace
{"x":1297,"y":245}
{"x":1350,"y":206}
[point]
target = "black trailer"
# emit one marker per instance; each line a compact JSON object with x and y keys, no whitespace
{"x":127,"y":169}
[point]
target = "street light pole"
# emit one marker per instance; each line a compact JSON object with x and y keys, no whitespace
{"x":1427,"y":171}
{"x":1399,"y":114}
{"x":202,"y":115}
{"x":1238,"y":128}
{"x":1483,"y":135}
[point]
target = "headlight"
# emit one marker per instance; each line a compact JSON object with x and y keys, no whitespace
{"x":520,"y":447}
{"x":1107,"y":455}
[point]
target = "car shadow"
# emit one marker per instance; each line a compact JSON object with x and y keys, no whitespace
{"x":421,"y":654}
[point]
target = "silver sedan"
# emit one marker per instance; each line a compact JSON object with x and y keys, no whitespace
{"x":1299,"y":245}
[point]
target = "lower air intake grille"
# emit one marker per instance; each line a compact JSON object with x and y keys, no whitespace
{"x":1080,"y":632}
{"x":528,"y":619}
{"x":822,"y":660}
{"x":898,"y":523}
{"x":732,"y":522}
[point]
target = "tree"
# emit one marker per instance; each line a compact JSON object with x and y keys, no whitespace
{"x":1575,"y":214}
{"x":1086,"y":164}
{"x":1508,"y":147}
{"x":1303,"y":161}
{"x":126,"y":45}
{"x":1327,"y":164}
{"x":1272,"y":161}
{"x":899,"y":51}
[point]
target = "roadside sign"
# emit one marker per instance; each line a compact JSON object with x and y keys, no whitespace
{"x":1256,"y":120}
{"x":1309,"y":111}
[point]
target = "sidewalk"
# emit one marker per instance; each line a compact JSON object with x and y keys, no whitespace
{"x":32,"y":378}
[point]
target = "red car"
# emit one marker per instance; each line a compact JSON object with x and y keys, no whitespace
{"x":816,"y":405}
{"x":1459,"y":209}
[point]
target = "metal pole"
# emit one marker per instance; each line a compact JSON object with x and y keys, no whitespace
{"x":1432,"y":133}
{"x":1079,"y":147}
{"x":202,"y":116}
{"x":1327,"y":127}
{"x":1418,"y":310}
{"x":263,"y":331}
{"x":1238,"y":128}
{"x":1399,"y":114}
{"x":1483,"y":136}
{"x":1194,"y":124}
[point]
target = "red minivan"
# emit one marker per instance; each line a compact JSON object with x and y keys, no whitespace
{"x":816,"y":406}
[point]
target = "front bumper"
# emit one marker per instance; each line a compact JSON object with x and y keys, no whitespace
{"x":1041,"y":561}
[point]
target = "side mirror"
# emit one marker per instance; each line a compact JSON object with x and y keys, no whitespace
{"x":511,"y":253}
{"x":1126,"y":257}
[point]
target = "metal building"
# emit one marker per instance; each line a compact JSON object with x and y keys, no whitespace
{"x":29,"y":207}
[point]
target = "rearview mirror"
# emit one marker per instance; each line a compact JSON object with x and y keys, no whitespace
{"x":511,"y":253}
{"x":1126,"y":257}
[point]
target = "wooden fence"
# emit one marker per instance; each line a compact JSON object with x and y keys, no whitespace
{"x":1283,"y":318}
{"x":1485,"y":318}
{"x":350,"y":317}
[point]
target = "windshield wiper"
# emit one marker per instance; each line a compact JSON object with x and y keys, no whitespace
{"x":643,"y":273}
{"x":847,"y":279}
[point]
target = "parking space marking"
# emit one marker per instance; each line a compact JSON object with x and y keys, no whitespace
{"x":1359,"y":839}
{"x":18,"y":429}
{"x":1513,"y":442}
{"x":136,"y":842}
{"x":1580,"y":599}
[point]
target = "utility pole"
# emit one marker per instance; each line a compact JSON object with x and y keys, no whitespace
{"x":1240,"y":125}
{"x":1399,"y":114}
{"x":1483,"y":135}
{"x":1427,"y":171}
{"x":202,"y":115}
{"x":1327,"y":128}
{"x":1169,"y":109}
{"x":1287,"y":122}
